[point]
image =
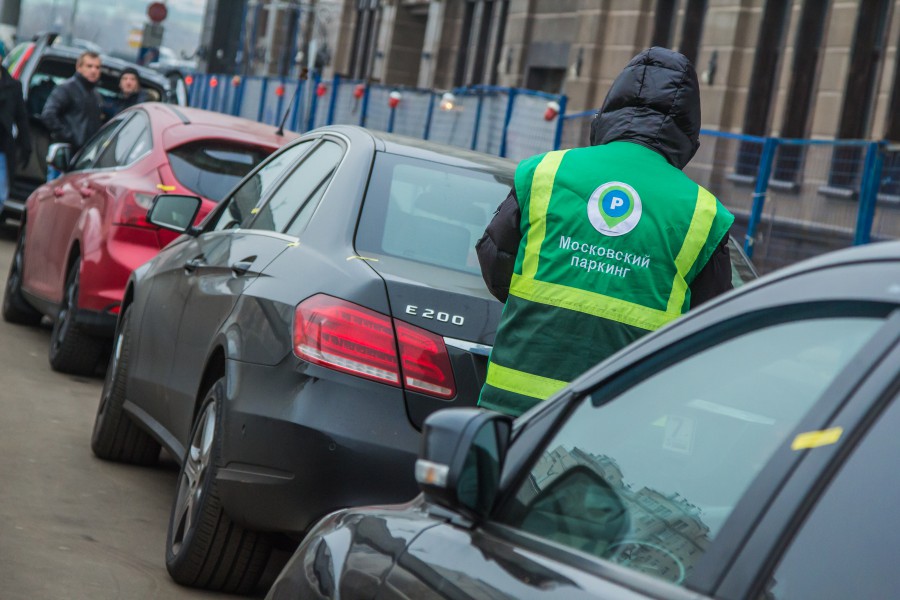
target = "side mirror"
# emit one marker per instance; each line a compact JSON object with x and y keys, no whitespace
{"x":461,"y":457}
{"x":59,"y":155}
{"x":174,"y":212}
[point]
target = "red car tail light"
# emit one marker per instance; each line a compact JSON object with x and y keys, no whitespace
{"x":133,"y":210}
{"x":346,"y":337}
{"x":353,"y":339}
{"x":424,"y":361}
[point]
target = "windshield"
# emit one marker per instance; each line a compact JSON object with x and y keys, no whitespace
{"x":428,"y":211}
{"x":648,"y":478}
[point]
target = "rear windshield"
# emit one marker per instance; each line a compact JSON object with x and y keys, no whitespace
{"x":210,"y":168}
{"x":429,"y":212}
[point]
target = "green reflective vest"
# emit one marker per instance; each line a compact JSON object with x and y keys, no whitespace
{"x":612,"y":236}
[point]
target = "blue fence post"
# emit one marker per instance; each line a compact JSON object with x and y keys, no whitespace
{"x":510,"y":104}
{"x":238,"y":98}
{"x":332,"y":104}
{"x":313,"y":103}
{"x":557,"y":139}
{"x":759,"y":193}
{"x":262,"y":100}
{"x":365,"y":107}
{"x":298,"y":98}
{"x":477,"y":118}
{"x":868,"y":193}
{"x":279,"y":104}
{"x":429,"y":115}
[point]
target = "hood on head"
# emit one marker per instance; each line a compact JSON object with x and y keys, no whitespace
{"x":655,"y":102}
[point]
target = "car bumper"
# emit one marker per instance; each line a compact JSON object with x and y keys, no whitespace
{"x":297,"y":447}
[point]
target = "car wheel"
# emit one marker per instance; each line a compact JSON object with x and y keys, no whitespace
{"x":15,"y":308}
{"x":116,"y":436}
{"x":204,"y":547}
{"x":71,"y":349}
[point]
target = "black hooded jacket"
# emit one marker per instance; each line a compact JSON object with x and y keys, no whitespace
{"x":654,"y":102}
{"x":72,"y":112}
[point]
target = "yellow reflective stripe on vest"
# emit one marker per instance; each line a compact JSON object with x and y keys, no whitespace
{"x":525,"y":286}
{"x":520,"y":382}
{"x":694,"y":241}
{"x":541,"y":189}
{"x":591,"y":303}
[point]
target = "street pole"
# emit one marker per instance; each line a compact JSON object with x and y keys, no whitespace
{"x":70,"y":32}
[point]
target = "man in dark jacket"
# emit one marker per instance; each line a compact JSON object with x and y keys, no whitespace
{"x":72,"y":112}
{"x":15,"y":134}
{"x":595,"y":247}
{"x":131,"y":89}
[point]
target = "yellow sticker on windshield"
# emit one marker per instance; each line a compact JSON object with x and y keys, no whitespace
{"x":814,"y":439}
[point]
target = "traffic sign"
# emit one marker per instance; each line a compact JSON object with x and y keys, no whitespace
{"x":157,"y":12}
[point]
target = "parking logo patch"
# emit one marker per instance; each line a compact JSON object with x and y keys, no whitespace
{"x":614,"y":208}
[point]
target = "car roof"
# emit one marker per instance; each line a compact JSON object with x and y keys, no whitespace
{"x":818,"y":279}
{"x":427,"y":150}
{"x":182,"y":124}
{"x":109,"y":63}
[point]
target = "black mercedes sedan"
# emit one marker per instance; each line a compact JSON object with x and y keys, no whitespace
{"x":747,"y":451}
{"x":288,"y":350}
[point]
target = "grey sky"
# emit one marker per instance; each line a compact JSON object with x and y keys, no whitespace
{"x":109,"y":23}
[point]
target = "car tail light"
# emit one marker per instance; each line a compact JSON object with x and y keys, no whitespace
{"x":133,"y":210}
{"x":353,"y":339}
{"x":424,"y":361}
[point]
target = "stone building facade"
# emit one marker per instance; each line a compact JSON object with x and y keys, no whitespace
{"x":795,"y":68}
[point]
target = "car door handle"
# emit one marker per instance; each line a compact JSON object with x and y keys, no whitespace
{"x":193,"y":264}
{"x":242,"y":266}
{"x":86,"y":192}
{"x":58,"y":191}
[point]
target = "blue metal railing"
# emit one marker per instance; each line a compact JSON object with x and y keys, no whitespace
{"x":785,"y":192}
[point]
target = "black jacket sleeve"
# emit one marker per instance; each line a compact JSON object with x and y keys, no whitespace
{"x":499,"y":245}
{"x":715,"y":277}
{"x":57,"y":105}
{"x":23,"y":138}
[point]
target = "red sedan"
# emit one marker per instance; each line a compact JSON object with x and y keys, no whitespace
{"x":82,"y":234}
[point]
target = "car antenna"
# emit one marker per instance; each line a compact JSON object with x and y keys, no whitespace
{"x":304,"y":72}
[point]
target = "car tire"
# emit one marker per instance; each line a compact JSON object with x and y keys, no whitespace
{"x":71,"y":349}
{"x":204,"y":547}
{"x":115,"y":436}
{"x":15,"y":308}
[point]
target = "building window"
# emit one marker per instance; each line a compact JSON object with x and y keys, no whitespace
{"x":692,"y":29}
{"x":662,"y":23}
{"x":807,"y":49}
{"x":865,"y":56}
{"x":762,"y":83}
{"x":363,"y":39}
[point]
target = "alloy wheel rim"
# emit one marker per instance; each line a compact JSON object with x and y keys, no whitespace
{"x":194,"y":472}
{"x":65,"y":312}
{"x":12,"y":282}
{"x":111,"y":375}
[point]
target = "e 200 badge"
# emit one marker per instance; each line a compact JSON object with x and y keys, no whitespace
{"x":614,"y":208}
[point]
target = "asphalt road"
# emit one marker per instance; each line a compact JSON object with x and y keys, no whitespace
{"x":72,"y":526}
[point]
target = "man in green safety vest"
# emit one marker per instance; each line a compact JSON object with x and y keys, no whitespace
{"x":595,"y":247}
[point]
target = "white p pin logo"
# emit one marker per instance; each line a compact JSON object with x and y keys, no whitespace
{"x":616,"y":203}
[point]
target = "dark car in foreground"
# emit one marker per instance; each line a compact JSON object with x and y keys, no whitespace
{"x":288,"y":350}
{"x":747,"y":450}
{"x":43,"y":63}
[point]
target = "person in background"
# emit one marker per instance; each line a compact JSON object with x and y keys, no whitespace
{"x":73,"y":110}
{"x":130,"y":86}
{"x":595,"y":247}
{"x":15,"y":134}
